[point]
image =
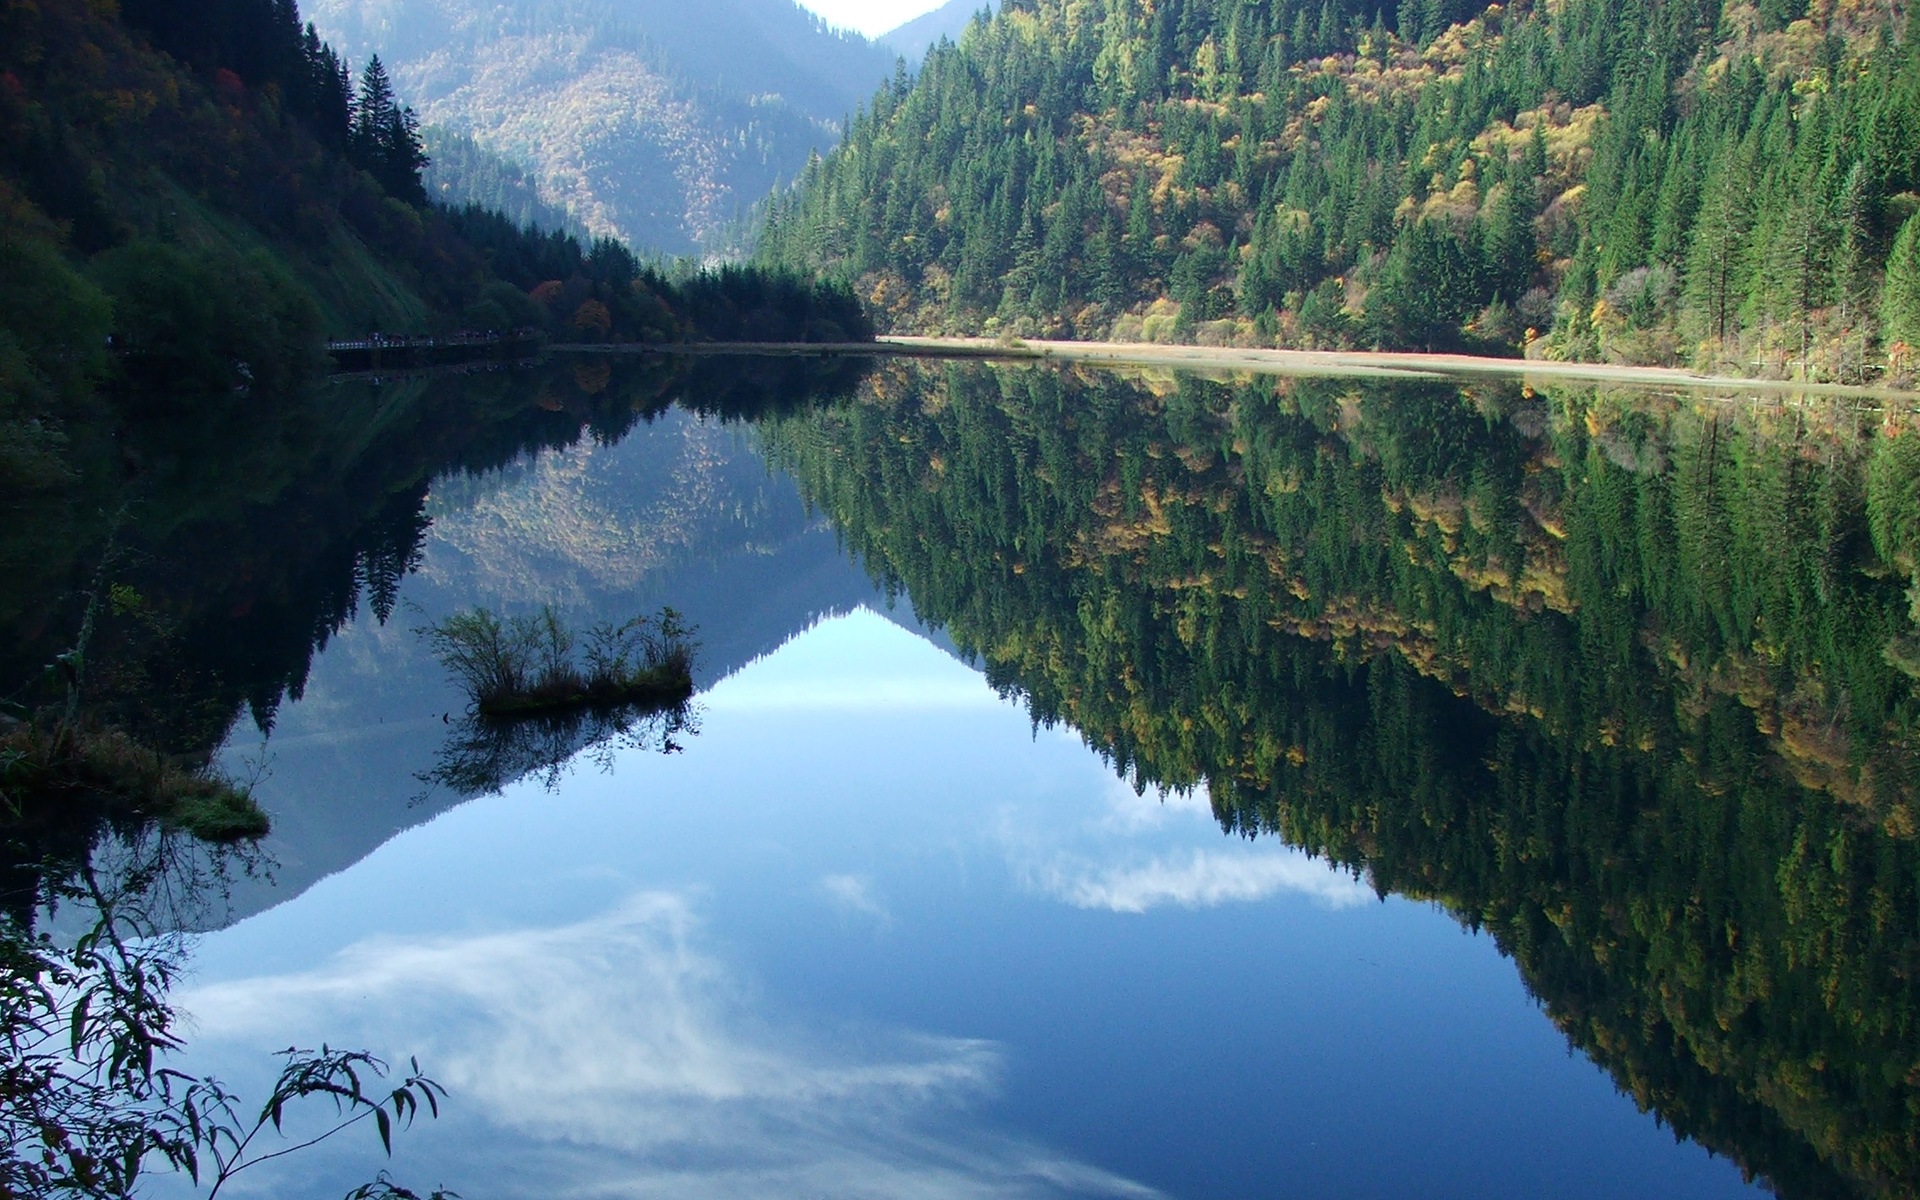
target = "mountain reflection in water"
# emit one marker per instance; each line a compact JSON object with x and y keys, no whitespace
{"x":1624,"y":681}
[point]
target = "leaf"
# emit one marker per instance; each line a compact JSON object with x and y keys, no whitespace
{"x":384,"y":1124}
{"x":79,"y":1026}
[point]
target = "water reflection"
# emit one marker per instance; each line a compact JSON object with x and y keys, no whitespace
{"x":1624,"y":682}
{"x":1621,"y":678}
{"x":243,"y":547}
{"x":622,"y":1035}
{"x":812,"y":954}
{"x":483,"y":754}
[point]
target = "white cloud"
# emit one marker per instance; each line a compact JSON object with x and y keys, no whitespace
{"x":853,"y":894}
{"x":1133,"y":811}
{"x":1204,"y":879}
{"x":621,"y":1061}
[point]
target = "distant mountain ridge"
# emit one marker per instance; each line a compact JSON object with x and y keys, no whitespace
{"x":913,"y":39}
{"x":649,"y":120}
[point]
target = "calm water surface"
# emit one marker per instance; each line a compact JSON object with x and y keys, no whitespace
{"x":1229,"y":789}
{"x":871,"y":935}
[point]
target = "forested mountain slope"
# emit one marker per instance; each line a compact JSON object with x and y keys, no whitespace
{"x":464,"y":172}
{"x":652,"y":120}
{"x":1648,"y":180}
{"x":193,"y":194}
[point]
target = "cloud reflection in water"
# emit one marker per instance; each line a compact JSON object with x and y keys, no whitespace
{"x":635,"y":1065}
{"x":1203,"y":879}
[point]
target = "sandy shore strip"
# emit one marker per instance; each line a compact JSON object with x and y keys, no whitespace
{"x":1401,"y":364}
{"x":1355,"y":363}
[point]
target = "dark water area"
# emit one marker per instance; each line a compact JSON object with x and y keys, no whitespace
{"x":1099,"y":783}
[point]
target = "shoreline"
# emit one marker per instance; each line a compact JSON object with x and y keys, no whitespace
{"x":1387,"y":364}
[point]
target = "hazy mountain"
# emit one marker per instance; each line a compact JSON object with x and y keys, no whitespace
{"x":462,"y":171}
{"x":913,"y":39}
{"x":650,"y":120}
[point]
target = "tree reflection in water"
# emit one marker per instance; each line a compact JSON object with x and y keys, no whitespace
{"x":256,"y":541}
{"x":485,"y":754}
{"x":1625,"y":679}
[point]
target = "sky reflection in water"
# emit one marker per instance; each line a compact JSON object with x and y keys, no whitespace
{"x":872,"y":935}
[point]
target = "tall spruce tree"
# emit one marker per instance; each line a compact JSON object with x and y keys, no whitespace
{"x":386,"y":137}
{"x":1900,"y":298}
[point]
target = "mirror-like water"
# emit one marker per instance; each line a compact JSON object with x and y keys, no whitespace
{"x":1227,"y":788}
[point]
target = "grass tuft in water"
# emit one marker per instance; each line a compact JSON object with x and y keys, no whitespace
{"x":527,"y":665}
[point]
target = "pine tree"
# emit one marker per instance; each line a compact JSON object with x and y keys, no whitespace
{"x":406,"y":158}
{"x":1714,"y":268}
{"x":386,"y":137}
{"x":1900,"y":296}
{"x":373,"y":117}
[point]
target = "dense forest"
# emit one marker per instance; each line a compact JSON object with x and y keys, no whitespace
{"x":1630,"y":682}
{"x":1729,"y":185}
{"x":192,"y":196}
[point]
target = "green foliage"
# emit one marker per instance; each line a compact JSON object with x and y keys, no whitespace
{"x":215,"y":209}
{"x":525,"y":664}
{"x":1893,"y":501}
{"x":463,"y":172}
{"x":385,"y":138}
{"x":536,"y":705}
{"x":599,"y":292}
{"x":491,"y":656}
{"x":53,"y":328}
{"x":1900,"y":296}
{"x":54,"y":320}
{"x":58,"y":758}
{"x":193,"y":322}
{"x":1453,"y":175}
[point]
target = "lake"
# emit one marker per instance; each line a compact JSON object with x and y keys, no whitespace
{"x":1099,"y":783}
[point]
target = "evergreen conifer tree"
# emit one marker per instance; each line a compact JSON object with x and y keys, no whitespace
{"x":1900,"y":298}
{"x":373,"y":116}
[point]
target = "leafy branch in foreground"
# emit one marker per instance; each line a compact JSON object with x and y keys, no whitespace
{"x":85,"y":1103}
